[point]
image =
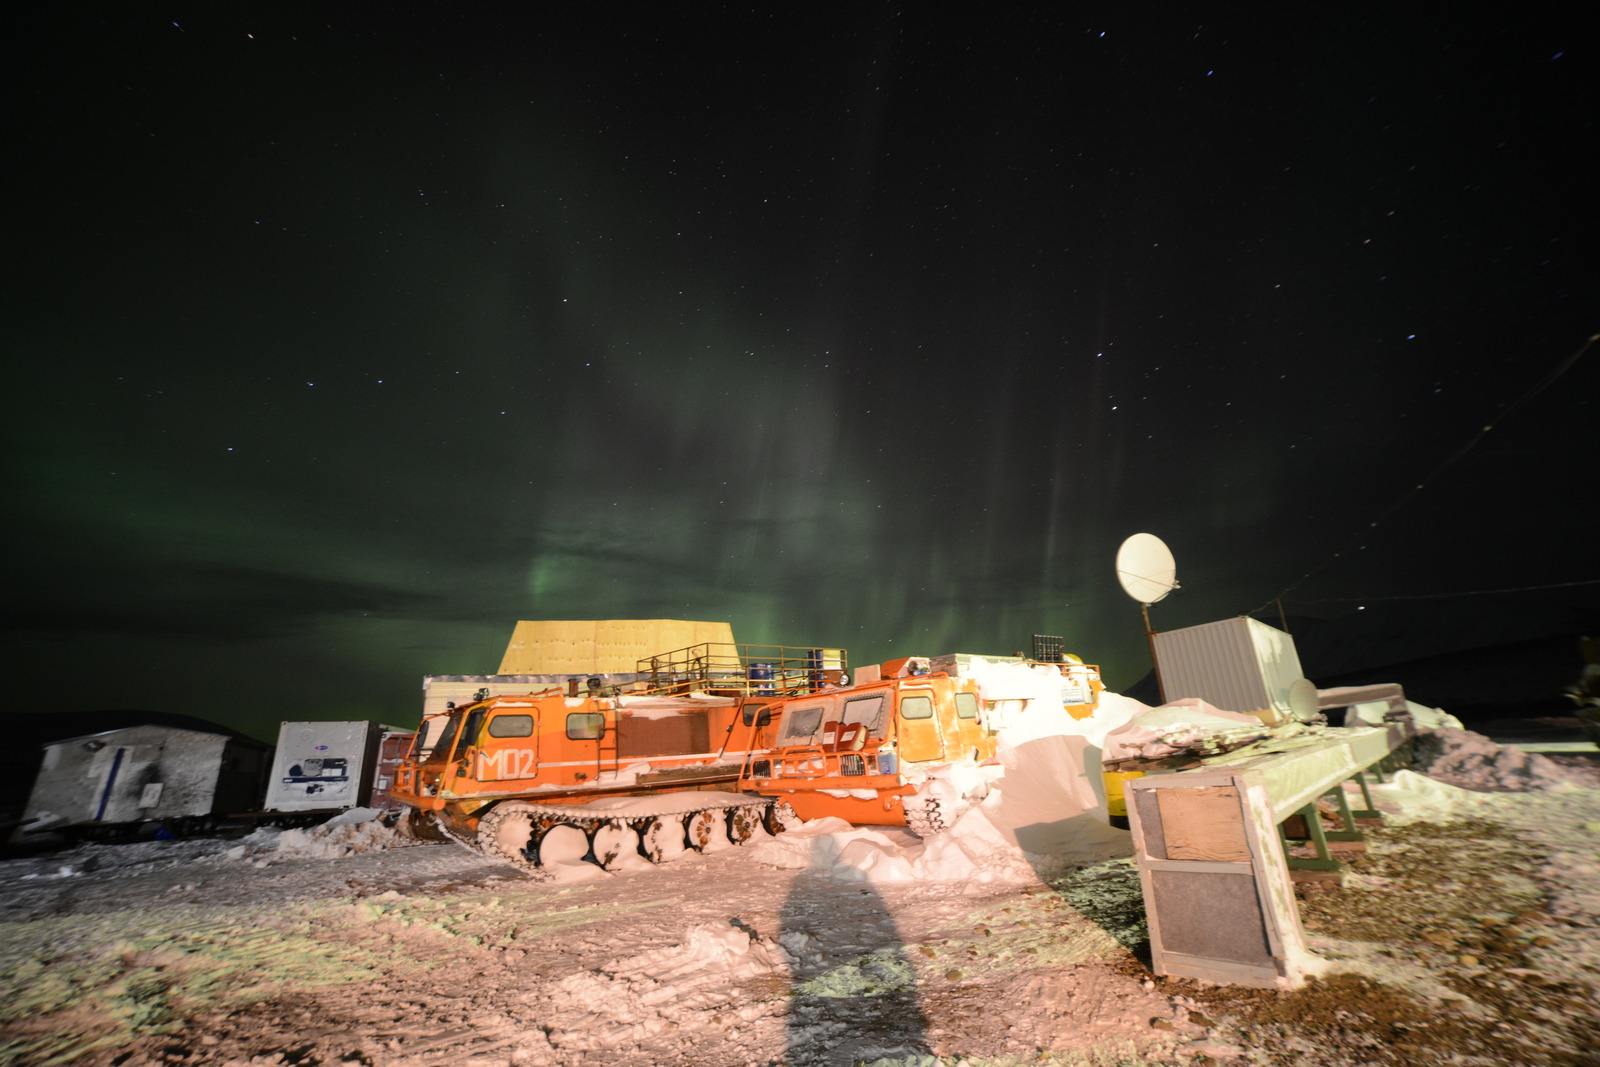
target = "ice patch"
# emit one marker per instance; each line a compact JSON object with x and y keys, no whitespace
{"x":875,"y":974}
{"x":60,"y":872}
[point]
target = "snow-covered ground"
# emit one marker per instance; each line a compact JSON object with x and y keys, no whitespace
{"x":1469,"y":933}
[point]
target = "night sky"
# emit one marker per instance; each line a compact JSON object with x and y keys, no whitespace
{"x":342,"y":337}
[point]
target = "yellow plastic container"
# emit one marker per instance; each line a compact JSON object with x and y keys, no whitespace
{"x":1116,"y":797}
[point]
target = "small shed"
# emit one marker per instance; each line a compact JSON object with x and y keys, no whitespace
{"x":1238,"y":664}
{"x":142,"y":773}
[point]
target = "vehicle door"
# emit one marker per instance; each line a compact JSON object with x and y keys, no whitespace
{"x":458,"y":751}
{"x":588,"y":735}
{"x":917,"y":726}
{"x":973,"y":739}
{"x":508,"y":748}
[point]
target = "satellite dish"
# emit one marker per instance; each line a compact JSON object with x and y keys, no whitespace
{"x":1146,"y":569}
{"x":1303,"y":700}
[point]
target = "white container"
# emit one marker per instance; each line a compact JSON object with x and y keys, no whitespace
{"x":323,"y":765}
{"x":143,"y":773}
{"x":1239,"y":664}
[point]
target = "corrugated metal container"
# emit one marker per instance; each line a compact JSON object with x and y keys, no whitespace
{"x":323,"y":765}
{"x":145,"y":773}
{"x":1237,"y":664}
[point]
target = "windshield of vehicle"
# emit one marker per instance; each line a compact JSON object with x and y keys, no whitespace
{"x":868,"y":711}
{"x":801,"y":724}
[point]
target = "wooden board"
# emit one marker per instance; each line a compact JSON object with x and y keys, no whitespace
{"x":608,"y":646}
{"x":1217,"y":887}
{"x":1203,"y":824}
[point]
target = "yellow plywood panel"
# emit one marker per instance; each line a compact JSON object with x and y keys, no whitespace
{"x":534,"y":644}
{"x":619,"y":641}
{"x":609,"y":646}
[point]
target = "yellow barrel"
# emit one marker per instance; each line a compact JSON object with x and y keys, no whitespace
{"x":1116,"y":797}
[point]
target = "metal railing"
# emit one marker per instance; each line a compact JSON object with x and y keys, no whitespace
{"x":744,"y":670}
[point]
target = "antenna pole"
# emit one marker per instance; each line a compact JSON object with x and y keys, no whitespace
{"x":1150,"y":636}
{"x":1282,"y":618}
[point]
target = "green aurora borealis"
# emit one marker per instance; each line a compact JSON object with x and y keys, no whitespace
{"x":343,"y":340}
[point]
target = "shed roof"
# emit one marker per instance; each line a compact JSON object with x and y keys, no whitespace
{"x":164,"y":729}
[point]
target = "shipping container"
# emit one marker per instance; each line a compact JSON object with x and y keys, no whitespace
{"x":1238,"y":664}
{"x":327,"y":765}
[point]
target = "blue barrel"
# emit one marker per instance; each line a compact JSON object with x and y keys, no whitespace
{"x":760,"y":675}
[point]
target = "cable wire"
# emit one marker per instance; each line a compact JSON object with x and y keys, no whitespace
{"x":1446,"y":596}
{"x":1540,"y":386}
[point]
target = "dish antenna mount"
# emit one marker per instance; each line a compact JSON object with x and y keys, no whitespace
{"x":1147,"y":571}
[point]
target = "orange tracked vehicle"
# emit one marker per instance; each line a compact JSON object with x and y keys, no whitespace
{"x":503,"y":771}
{"x":717,"y":741}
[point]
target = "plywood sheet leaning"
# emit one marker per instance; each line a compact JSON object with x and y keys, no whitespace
{"x":1216,"y":883}
{"x":607,"y":646}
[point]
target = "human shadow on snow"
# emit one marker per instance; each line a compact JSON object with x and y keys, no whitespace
{"x":854,"y":992}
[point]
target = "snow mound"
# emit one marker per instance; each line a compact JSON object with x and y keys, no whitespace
{"x":1411,"y":797}
{"x":972,"y":850}
{"x":1472,"y":761}
{"x":1377,"y":712}
{"x":346,"y":834}
{"x":721,"y":952}
{"x":823,"y":844}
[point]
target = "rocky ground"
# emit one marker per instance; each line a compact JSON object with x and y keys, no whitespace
{"x":1468,"y":933}
{"x":1472,"y":940}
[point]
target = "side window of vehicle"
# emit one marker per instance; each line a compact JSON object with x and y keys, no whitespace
{"x":916,"y":707}
{"x":966,"y":705}
{"x":511,"y":726}
{"x":469,"y":732}
{"x":586,"y":725}
{"x":447,"y":737}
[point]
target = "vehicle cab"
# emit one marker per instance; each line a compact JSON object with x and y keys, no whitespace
{"x":856,"y":752}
